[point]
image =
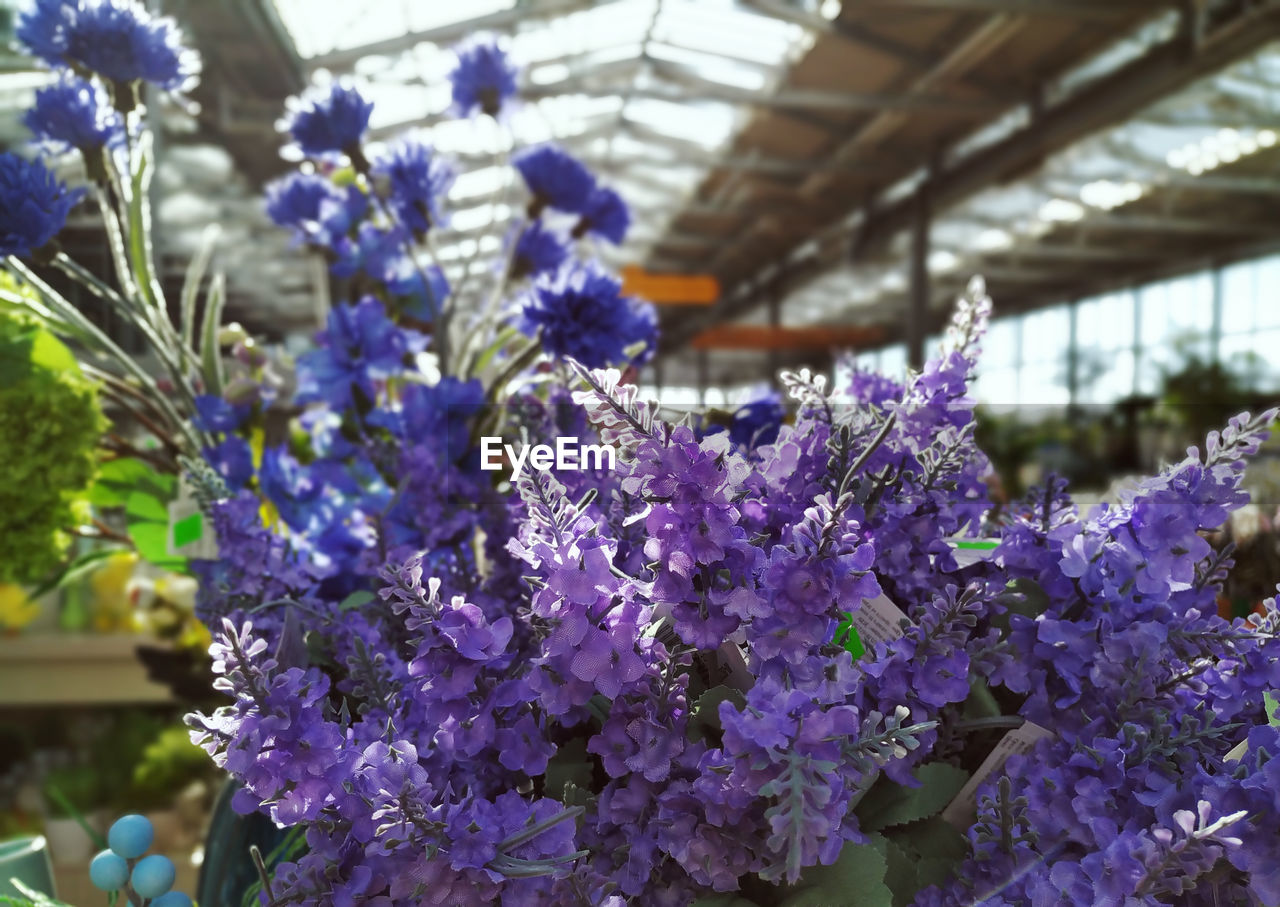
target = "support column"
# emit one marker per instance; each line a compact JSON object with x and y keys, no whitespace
{"x":918,"y":299}
{"x":704,"y":368}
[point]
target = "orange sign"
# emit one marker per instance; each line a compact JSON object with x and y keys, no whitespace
{"x":765,"y":337}
{"x":670,"y":289}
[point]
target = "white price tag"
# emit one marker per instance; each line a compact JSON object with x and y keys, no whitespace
{"x":878,"y":620}
{"x":190,"y":534}
{"x":970,"y":551}
{"x":964,"y":808}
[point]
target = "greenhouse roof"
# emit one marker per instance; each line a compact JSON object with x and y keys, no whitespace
{"x":785,"y":147}
{"x":782,"y":146}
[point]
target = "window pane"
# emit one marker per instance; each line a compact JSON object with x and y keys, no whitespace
{"x":1106,"y":323}
{"x":1239,"y":297}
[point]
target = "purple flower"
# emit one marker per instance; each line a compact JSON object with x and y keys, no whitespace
{"x":330,"y":121}
{"x":484,"y":78}
{"x":757,"y":423}
{"x":418,"y":180}
{"x":360,"y":345}
{"x":555,"y":178}
{"x":74,"y":114}
{"x":605,"y":215}
{"x":34,"y":205}
{"x":117,"y":39}
{"x":539,"y":250}
{"x":215,"y":414}
{"x":318,"y":212}
{"x":581,"y":313}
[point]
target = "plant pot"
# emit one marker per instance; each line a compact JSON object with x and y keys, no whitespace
{"x":27,"y":860}
{"x":69,"y":843}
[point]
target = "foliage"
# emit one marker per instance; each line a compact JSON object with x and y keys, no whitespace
{"x":640,"y":684}
{"x":167,"y":764}
{"x":50,"y":421}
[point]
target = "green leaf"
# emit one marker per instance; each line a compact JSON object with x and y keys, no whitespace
{"x":888,"y":804}
{"x":934,"y":870}
{"x":52,"y":791}
{"x":901,"y":874}
{"x":142,"y":506}
{"x":31,"y":897}
{"x":933,"y":838}
{"x":50,"y":352}
{"x":728,"y":899}
{"x":76,"y":570}
{"x":192,"y":281}
{"x":980,"y":704}
{"x":706,"y":711}
{"x":146,"y":496}
{"x":141,"y":254}
{"x":1271,"y":703}
{"x":357,"y":599}
{"x":118,"y":479}
{"x":856,"y":877}
{"x":152,"y":541}
{"x":210,"y":354}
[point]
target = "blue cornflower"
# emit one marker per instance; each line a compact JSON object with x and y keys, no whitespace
{"x":419,"y":180}
{"x":484,"y":79}
{"x":318,"y":212}
{"x":422,"y":288}
{"x":757,"y":422}
{"x":331,"y":121}
{"x":435,"y":414}
{"x":117,"y":39}
{"x":231,"y":458}
{"x":582,"y":313}
{"x":74,"y":115}
{"x":34,"y":205}
{"x":556,"y":179}
{"x":359,"y":345}
{"x":605,"y":215}
{"x":538,"y":250}
{"x":216,"y":414}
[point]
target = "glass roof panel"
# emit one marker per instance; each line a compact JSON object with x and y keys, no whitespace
{"x":597,"y":69}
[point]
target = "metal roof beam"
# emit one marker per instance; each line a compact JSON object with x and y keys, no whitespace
{"x":502,"y":21}
{"x":1059,"y":9}
{"x":850,"y":31}
{"x":787,"y":99}
{"x":1241,"y":185}
{"x":1141,"y":224}
{"x":1234,"y":33}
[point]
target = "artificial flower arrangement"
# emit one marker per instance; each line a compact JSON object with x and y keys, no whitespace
{"x":793,"y":666}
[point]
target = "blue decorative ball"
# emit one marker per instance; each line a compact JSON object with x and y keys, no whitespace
{"x":108,"y":871}
{"x":130,"y":836}
{"x":153,"y":876}
{"x":172,"y":899}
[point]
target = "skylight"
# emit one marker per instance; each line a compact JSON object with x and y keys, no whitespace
{"x":602,"y":79}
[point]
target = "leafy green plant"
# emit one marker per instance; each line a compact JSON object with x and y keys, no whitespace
{"x":73,"y":790}
{"x":169,"y":763}
{"x":50,"y":422}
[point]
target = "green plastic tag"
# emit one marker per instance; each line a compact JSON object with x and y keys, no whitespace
{"x":188,"y":530}
{"x":847,"y":636}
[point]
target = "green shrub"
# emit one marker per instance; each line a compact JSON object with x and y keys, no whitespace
{"x":50,"y":423}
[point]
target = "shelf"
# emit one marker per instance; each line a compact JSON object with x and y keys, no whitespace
{"x":71,"y":669}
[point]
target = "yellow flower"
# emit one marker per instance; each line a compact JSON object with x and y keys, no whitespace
{"x":16,"y":608}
